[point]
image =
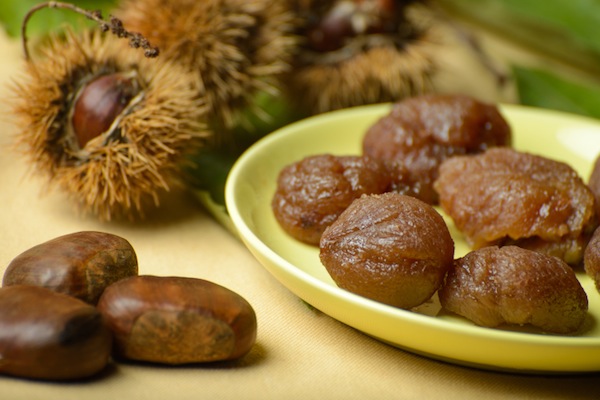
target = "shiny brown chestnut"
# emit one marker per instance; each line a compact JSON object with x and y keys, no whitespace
{"x":346,"y":19}
{"x":50,"y":336}
{"x":177,"y":320}
{"x":100,"y":103}
{"x":80,"y":264}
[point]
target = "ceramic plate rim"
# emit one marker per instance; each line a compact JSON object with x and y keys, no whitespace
{"x":282,"y":266}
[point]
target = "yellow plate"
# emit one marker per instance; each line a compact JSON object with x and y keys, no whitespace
{"x":428,"y":331}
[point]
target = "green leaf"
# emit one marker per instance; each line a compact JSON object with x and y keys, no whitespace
{"x":577,"y":19}
{"x":566,"y":30}
{"x":540,"y":88}
{"x":208,"y":172}
{"x":12,"y":13}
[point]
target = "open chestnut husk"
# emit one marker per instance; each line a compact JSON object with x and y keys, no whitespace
{"x":80,"y":264}
{"x":357,"y":52}
{"x":177,"y":320}
{"x":108,"y":127}
{"x":51,"y":336}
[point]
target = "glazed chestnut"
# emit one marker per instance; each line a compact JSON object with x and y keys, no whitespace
{"x":591,"y":258}
{"x":420,"y":133}
{"x":51,"y":336}
{"x":176,"y":320}
{"x":594,"y":184}
{"x":508,"y":197}
{"x":80,"y":264}
{"x":391,"y":248}
{"x":509,"y":285}
{"x":311,"y":193}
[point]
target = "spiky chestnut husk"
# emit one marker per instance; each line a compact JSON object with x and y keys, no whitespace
{"x":125,"y":170}
{"x":388,"y":55}
{"x":237,"y":47}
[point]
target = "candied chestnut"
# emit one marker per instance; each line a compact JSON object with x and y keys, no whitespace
{"x":392,"y":248}
{"x":591,"y":258}
{"x":594,"y":184}
{"x":494,"y":285}
{"x":504,"y":197}
{"x":421,"y":132}
{"x":313,"y":192}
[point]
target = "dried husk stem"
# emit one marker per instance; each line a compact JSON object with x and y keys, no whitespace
{"x":114,"y":25}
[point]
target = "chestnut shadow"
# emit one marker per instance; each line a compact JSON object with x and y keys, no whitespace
{"x":110,"y":370}
{"x":174,"y":207}
{"x":255,"y":357}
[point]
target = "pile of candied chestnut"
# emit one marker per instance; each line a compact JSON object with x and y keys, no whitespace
{"x":530,"y":221}
{"x":70,"y":305}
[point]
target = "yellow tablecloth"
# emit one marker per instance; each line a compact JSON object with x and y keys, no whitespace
{"x":300,"y":353}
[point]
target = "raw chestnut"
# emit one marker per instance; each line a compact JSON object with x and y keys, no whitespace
{"x":80,"y":264}
{"x":49,"y":335}
{"x":348,"y":19}
{"x":99,"y":104}
{"x":420,"y":132}
{"x":176,"y":320}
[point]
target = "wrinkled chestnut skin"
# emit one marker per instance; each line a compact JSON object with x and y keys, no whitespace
{"x":50,"y":336}
{"x":504,"y":196}
{"x":391,"y":248}
{"x":80,"y":264}
{"x":421,"y":132}
{"x":314,"y":191}
{"x":594,"y":184}
{"x":176,"y":320}
{"x":591,"y":258}
{"x":510,"y":285}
